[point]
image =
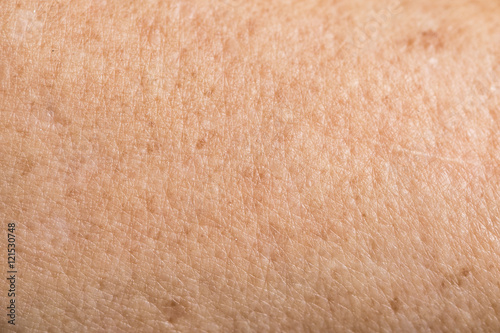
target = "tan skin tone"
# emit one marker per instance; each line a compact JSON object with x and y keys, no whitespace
{"x":214,"y":166}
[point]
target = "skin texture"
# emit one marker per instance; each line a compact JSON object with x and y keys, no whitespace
{"x":252,"y":166}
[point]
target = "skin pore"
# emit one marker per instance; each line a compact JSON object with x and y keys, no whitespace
{"x":252,"y":166}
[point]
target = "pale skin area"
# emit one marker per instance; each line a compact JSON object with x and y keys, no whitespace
{"x":201,"y":166}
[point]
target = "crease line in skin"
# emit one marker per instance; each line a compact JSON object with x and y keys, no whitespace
{"x":445,"y":159}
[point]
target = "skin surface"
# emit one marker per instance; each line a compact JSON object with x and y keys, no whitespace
{"x":187,"y":166}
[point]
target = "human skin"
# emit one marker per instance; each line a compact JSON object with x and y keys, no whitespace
{"x":185,"y":166}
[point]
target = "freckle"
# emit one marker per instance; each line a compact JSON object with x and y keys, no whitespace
{"x":174,"y":310}
{"x":431,"y":39}
{"x":72,"y":192}
{"x":152,"y":204}
{"x":28,"y":166}
{"x":395,"y":304}
{"x":58,"y":117}
{"x":201,"y":143}
{"x":465,"y":272}
{"x":209,"y":92}
{"x":495,"y":308}
{"x":152,"y":147}
{"x":262,"y":175}
{"x":278,"y":94}
{"x":429,"y":33}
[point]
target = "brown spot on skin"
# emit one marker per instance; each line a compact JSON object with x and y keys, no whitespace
{"x":424,"y":238}
{"x":152,"y":147}
{"x":456,"y":279}
{"x":174,"y":310}
{"x":58,"y":117}
{"x":373,"y":246}
{"x":279,"y":95}
{"x":410,"y":42}
{"x":72,"y":192}
{"x":209,"y":92}
{"x":431,"y":39}
{"x":251,"y":27}
{"x":496,"y":308}
{"x":27,"y":167}
{"x":465,"y":272}
{"x":462,"y":276}
{"x":395,"y":304}
{"x":201,"y":143}
{"x":324,"y":235}
{"x":152,"y":204}
{"x":428,"y":39}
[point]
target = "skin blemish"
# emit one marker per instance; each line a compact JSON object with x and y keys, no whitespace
{"x":462,"y":276}
{"x":27,"y":167}
{"x":72,"y":192}
{"x":152,"y":147}
{"x":152,"y":204}
{"x":174,"y":309}
{"x":395,"y":304}
{"x":459,"y":278}
{"x":201,"y":143}
{"x":465,"y":272}
{"x":58,"y":117}
{"x":431,"y":39}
